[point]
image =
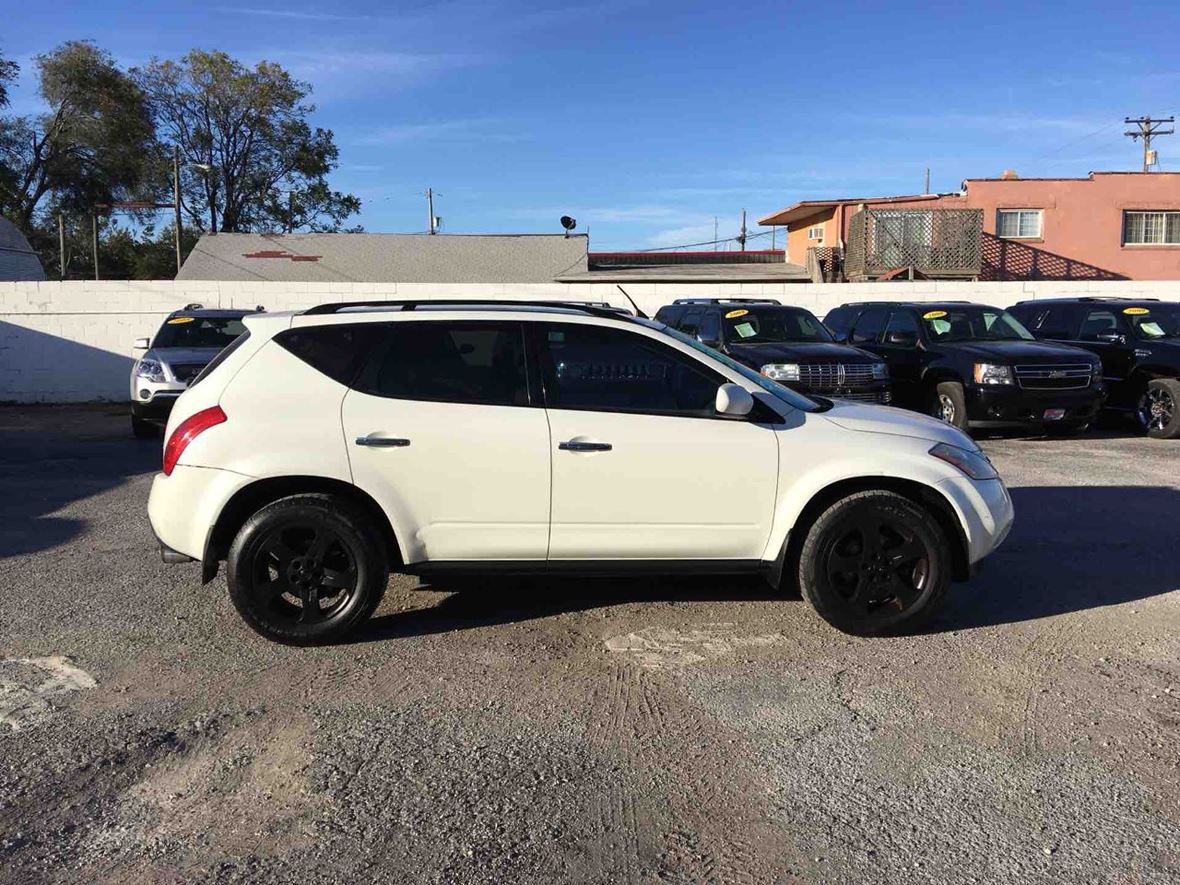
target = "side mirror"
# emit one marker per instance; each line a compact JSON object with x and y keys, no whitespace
{"x":902,"y":338}
{"x":1111,"y":337}
{"x":709,"y":342}
{"x":142,"y":343}
{"x":734,"y":401}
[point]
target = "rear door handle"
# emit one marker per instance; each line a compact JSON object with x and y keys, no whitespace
{"x":575,"y":445}
{"x":382,"y":442}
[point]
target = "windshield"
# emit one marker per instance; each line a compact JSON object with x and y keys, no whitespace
{"x":1157,"y":321}
{"x":764,"y":325}
{"x":973,"y":324}
{"x":199,"y":332}
{"x":790,"y":397}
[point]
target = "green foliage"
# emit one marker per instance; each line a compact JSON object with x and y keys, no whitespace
{"x":8,"y":71}
{"x":252,"y":161}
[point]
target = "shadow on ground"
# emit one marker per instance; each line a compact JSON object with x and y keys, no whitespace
{"x":1072,"y":548}
{"x":51,"y":456}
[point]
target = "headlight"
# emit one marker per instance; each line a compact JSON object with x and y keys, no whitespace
{"x":880,"y":371}
{"x":990,"y":373}
{"x":781,"y":371}
{"x":149,"y":369}
{"x":974,"y":464}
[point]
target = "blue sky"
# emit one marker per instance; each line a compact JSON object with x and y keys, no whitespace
{"x":645,"y":120}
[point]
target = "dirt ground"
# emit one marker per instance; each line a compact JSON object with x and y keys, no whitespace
{"x":678,"y":731}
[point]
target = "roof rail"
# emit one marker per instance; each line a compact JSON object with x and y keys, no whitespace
{"x":599,"y":310}
{"x":1060,"y":298}
{"x":727,"y":301}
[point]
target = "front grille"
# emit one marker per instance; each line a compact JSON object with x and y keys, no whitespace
{"x":822,"y":377}
{"x":186,"y":372}
{"x":1066,"y":377}
{"x":879,"y":396}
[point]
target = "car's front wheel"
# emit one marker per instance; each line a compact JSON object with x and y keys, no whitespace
{"x":1159,"y":409}
{"x":306,"y":570}
{"x":875,"y":562}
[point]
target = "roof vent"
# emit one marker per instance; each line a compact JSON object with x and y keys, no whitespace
{"x":1009,"y":175}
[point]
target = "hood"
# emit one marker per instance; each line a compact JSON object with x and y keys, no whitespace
{"x":896,"y":422}
{"x":800,"y":352}
{"x":1020,"y":351}
{"x":182,"y":355}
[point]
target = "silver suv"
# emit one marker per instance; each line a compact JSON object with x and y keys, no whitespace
{"x":185,"y":343}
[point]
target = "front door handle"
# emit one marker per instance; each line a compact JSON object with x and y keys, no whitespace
{"x":576,"y":445}
{"x":382,"y":442}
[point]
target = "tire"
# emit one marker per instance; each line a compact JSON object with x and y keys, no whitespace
{"x":875,"y":562}
{"x":302,"y":551}
{"x":1158,"y":411}
{"x":949,"y":404}
{"x":144,"y":429}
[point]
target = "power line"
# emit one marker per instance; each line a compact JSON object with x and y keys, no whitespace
{"x":1148,"y":128}
{"x":736,"y":239}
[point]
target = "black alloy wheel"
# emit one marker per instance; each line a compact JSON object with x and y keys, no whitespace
{"x":306,"y":570}
{"x":874,"y":561}
{"x":1158,"y":411}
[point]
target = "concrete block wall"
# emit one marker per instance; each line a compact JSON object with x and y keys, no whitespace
{"x":71,"y":342}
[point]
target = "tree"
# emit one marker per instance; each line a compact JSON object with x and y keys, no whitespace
{"x":96,"y":144}
{"x":8,"y":71}
{"x":251,"y":160}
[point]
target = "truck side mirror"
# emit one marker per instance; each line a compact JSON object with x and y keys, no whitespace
{"x":902,"y":338}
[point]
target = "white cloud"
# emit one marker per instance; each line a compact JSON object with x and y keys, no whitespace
{"x":436,"y":130}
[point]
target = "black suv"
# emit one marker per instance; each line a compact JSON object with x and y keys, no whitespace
{"x":970,"y":364}
{"x":1138,"y":341}
{"x":787,"y":344}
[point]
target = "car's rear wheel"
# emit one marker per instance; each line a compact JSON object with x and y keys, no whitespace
{"x":875,"y":562}
{"x":306,"y":570}
{"x":1159,"y":409}
{"x":143,"y":429}
{"x":950,"y":404}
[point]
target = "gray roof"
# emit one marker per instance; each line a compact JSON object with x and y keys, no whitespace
{"x":18,"y":261}
{"x":386,"y":258}
{"x":693,"y":273}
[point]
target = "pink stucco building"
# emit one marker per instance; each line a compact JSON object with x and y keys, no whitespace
{"x":1108,"y":225}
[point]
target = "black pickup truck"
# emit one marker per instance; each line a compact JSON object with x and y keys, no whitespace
{"x":787,"y":344}
{"x":1138,"y":341}
{"x":974,"y":366}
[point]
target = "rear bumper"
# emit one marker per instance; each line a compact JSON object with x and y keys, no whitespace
{"x":1006,"y":405}
{"x":183,"y":507}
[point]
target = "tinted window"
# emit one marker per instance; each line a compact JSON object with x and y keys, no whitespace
{"x":973,"y":324}
{"x":902,"y":321}
{"x":839,"y":320}
{"x":1156,"y":321}
{"x":1099,"y":322}
{"x":199,"y":332}
{"x":337,"y":351}
{"x":691,"y":321}
{"x":669,"y":314}
{"x":710,"y":329}
{"x":760,"y":325}
{"x":869,"y":326}
{"x":601,"y":369}
{"x":458,"y":362}
{"x":1055,"y":322}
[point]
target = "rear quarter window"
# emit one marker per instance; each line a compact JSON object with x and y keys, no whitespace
{"x":337,"y":351}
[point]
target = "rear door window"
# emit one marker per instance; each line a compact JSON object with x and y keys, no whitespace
{"x":902,"y":321}
{"x":457,"y":362}
{"x":1099,"y":322}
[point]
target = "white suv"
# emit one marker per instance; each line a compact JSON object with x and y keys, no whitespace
{"x":324,"y":449}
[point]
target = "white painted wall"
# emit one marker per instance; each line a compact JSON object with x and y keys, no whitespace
{"x":71,"y":342}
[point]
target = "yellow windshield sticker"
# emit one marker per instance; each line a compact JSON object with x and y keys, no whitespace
{"x":1136,"y":311}
{"x":734,"y":314}
{"x":934,"y":315}
{"x":177,"y":321}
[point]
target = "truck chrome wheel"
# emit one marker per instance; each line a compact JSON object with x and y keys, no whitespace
{"x":1157,"y":408}
{"x":946,"y":408}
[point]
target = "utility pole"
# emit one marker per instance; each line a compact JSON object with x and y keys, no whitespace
{"x":742,"y":236}
{"x":94,"y":240}
{"x":927,"y":181}
{"x":430,"y":210}
{"x":61,"y":243}
{"x":1148,"y":128}
{"x":176,"y":198}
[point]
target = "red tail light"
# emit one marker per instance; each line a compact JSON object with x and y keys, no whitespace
{"x":188,"y":430}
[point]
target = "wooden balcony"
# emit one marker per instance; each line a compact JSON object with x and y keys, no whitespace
{"x":932,"y":243}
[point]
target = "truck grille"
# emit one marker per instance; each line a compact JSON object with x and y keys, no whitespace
{"x":186,"y":372}
{"x":1067,"y":377}
{"x":822,"y":377}
{"x":879,"y":396}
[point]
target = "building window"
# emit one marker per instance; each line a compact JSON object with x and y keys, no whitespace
{"x":1151,"y":228}
{"x":816,"y":233}
{"x":1018,"y":223}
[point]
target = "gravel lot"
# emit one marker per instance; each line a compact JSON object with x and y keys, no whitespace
{"x":648,"y":731}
